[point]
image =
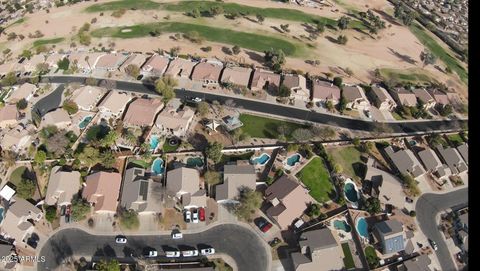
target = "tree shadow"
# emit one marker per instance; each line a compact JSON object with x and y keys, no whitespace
{"x":277,"y":29}
{"x":360,"y":169}
{"x":227,"y":50}
{"x":255,"y":56}
{"x":105,"y":251}
{"x":387,"y":17}
{"x":405,"y":58}
{"x":332,"y":39}
{"x":198,"y":141}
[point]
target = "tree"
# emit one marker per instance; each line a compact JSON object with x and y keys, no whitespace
{"x":41,"y":49}
{"x":112,"y":265}
{"x":63,"y":64}
{"x":174,"y":51}
{"x":42,"y":68}
{"x":212,"y":178}
{"x":260,"y":18}
{"x":165,"y":86}
{"x":214,"y":151}
{"x":132,"y":70}
{"x":356,"y":142}
{"x":129,"y":219}
{"x":40,"y":157}
{"x":284,"y":27}
{"x":445,"y":110}
{"x":320,"y":27}
{"x":25,"y":188}
{"x":195,"y":13}
{"x":110,"y":139}
{"x":275,"y":58}
{"x":342,"y":39}
{"x":26,"y":54}
{"x":70,"y":106}
{"x":80,"y":209}
{"x":284,"y":91}
{"x":51,"y":213}
{"x":203,"y":108}
{"x":372,"y":206}
{"x":325,"y":133}
{"x":302,"y":134}
{"x":22,"y":104}
{"x":343,"y":22}
{"x":84,"y":38}
{"x":329,"y":105}
{"x":207,"y":49}
{"x":11,"y":36}
{"x":342,"y":104}
{"x":411,"y":185}
{"x":236,"y":49}
{"x":338,"y":81}
{"x":428,"y":57}
{"x":250,"y":200}
{"x":313,"y":210}
{"x":107,"y":159}
{"x":216,"y":10}
{"x":337,"y":168}
{"x":90,"y":156}
{"x":194,"y":37}
{"x":372,"y":258}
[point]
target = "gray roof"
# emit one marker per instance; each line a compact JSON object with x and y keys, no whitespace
{"x":430,"y":159}
{"x":381,"y":94}
{"x":135,"y":189}
{"x":453,"y":159}
{"x":351,"y":93}
{"x":405,"y":161}
{"x":463,"y":150}
{"x":389,"y":227}
{"x":419,"y":263}
{"x":235,"y":177}
{"x":423,"y":95}
{"x":464,"y":218}
{"x":5,"y":249}
{"x":318,"y":239}
{"x":390,"y":230}
{"x":183,"y":179}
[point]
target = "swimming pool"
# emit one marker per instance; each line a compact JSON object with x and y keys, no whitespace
{"x":362,"y":227}
{"x":261,"y":160}
{"x":153,"y":142}
{"x":157,"y":166}
{"x":1,"y":214}
{"x":350,"y":192}
{"x":342,"y":225}
{"x":195,"y":162}
{"x":86,"y":120}
{"x":293,"y":159}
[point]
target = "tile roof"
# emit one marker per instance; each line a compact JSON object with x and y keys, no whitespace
{"x":325,"y":90}
{"x":62,"y":186}
{"x":206,"y":71}
{"x":102,"y":188}
{"x":236,"y":75}
{"x":261,"y":78}
{"x":180,"y":67}
{"x":156,"y":64}
{"x":142,"y":112}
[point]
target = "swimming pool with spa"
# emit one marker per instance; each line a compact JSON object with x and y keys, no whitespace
{"x":342,"y":225}
{"x":261,"y":160}
{"x":85,"y":121}
{"x":153,"y":142}
{"x":157,"y":166}
{"x":293,"y":159}
{"x":362,"y":227}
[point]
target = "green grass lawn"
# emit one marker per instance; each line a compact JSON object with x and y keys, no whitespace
{"x":140,"y":163}
{"x":348,"y":260}
{"x":455,"y":139}
{"x":397,"y":116}
{"x":349,"y":159}
{"x":262,"y":127}
{"x":236,"y":157}
{"x":406,"y":75}
{"x":123,"y":4}
{"x":439,"y":51}
{"x":16,"y":175}
{"x":250,"y":41}
{"x":19,"y":21}
{"x":168,"y":148}
{"x":316,"y":177}
{"x":47,"y":41}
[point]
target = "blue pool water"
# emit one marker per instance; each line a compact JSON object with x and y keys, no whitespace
{"x":1,"y":214}
{"x":195,"y":162}
{"x":350,"y":192}
{"x":153,"y":142}
{"x":157,"y":166}
{"x":85,"y":122}
{"x":292,"y":160}
{"x":342,"y":225}
{"x":362,"y":227}
{"x":261,"y":160}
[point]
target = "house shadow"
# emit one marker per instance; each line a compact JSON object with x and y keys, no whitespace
{"x":360,"y":169}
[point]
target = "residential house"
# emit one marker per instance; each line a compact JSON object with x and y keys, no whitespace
{"x":7,"y":192}
{"x":382,"y":99}
{"x":265,"y":80}
{"x":405,"y":162}
{"x":156,"y":65}
{"x":25,"y":91}
{"x":453,"y":159}
{"x":133,"y":59}
{"x":237,"y":76}
{"x":424,"y":97}
{"x":463,"y":150}
{"x":183,"y":184}
{"x":419,"y":263}
{"x":87,"y":97}
{"x":180,"y":67}
{"x":391,"y":236}
{"x":8,"y":116}
{"x":298,"y":86}
{"x":319,"y":251}
{"x":325,"y":91}
{"x":18,"y":139}
{"x":52,"y":60}
{"x":207,"y":72}
{"x":175,"y":121}
{"x":102,"y":190}
{"x":142,"y":112}
{"x":110,"y":62}
{"x":355,"y":98}
{"x":432,"y":163}
{"x":84,"y":61}
{"x":62,"y":186}
{"x":59,"y":117}
{"x":288,"y":200}
{"x":404,"y":97}
{"x":113,"y":104}
{"x":7,"y":251}
{"x":30,"y":65}
{"x":453,"y":97}
{"x":139,"y":192}
{"x":236,"y":177}
{"x":441,"y":99}
{"x":18,"y":219}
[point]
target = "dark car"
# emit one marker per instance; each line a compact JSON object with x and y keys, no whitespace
{"x":263,"y":224}
{"x":33,"y":240}
{"x":67,"y":218}
{"x":140,"y":77}
{"x":409,"y":200}
{"x":62,"y":210}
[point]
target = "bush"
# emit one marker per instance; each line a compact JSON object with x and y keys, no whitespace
{"x":338,"y":81}
{"x":25,"y":188}
{"x":22,"y":104}
{"x":80,"y":209}
{"x":413,"y":213}
{"x":70,"y":106}
{"x":129,"y":219}
{"x":51,"y":213}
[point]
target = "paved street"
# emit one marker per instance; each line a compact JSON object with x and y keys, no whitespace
{"x":49,"y":102}
{"x":241,"y":244}
{"x":284,"y":111}
{"x":427,"y":207}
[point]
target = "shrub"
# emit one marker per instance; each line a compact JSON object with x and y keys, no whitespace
{"x":22,"y":104}
{"x":51,"y":213}
{"x":70,"y":106}
{"x":129,"y":219}
{"x":413,"y":213}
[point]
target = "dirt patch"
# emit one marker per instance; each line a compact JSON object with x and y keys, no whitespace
{"x":170,"y":218}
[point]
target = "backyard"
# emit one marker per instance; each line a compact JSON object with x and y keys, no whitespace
{"x":261,"y":127}
{"x":316,"y":177}
{"x":349,"y":160}
{"x":348,"y":260}
{"x":455,"y":139}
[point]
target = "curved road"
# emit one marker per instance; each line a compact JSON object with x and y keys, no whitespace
{"x":427,"y":207}
{"x":408,"y":127}
{"x":240,"y":243}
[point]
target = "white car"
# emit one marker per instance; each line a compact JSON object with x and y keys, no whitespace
{"x":120,"y":240}
{"x":177,"y":235}
{"x":195,"y":216}
{"x":172,"y":254}
{"x":152,"y":253}
{"x":197,"y":99}
{"x":190,"y":253}
{"x":207,"y":251}
{"x":188,"y":216}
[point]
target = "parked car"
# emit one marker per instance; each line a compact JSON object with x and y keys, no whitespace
{"x":63,"y":208}
{"x":368,"y":114}
{"x":151,"y":253}
{"x":69,"y":210}
{"x":121,"y":239}
{"x":263,"y":224}
{"x":433,"y":244}
{"x":67,"y":218}
{"x":172,"y":254}
{"x":177,"y":235}
{"x":188,"y":216}
{"x":409,"y":200}
{"x":140,"y":77}
{"x":275,"y":242}
{"x":460,"y":257}
{"x":207,"y":251}
{"x":190,"y":253}
{"x":201,"y":213}
{"x":195,"y":216}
